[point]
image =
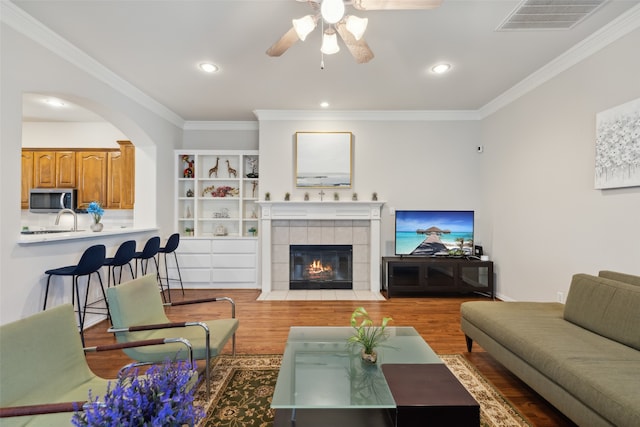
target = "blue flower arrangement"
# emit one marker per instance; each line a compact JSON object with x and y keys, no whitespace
{"x":95,"y":209}
{"x":162,"y":397}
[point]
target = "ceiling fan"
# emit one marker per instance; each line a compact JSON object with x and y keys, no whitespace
{"x":330,"y":13}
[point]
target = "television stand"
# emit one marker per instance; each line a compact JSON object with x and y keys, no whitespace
{"x":436,"y":275}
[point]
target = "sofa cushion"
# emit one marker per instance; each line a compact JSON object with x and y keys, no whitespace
{"x":606,"y":307}
{"x":620,"y":277}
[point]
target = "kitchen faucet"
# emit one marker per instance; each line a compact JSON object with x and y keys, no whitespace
{"x":75,"y":217}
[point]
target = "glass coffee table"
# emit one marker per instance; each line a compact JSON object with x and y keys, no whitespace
{"x":323,"y":381}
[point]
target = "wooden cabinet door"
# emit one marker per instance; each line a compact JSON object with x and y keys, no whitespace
{"x":91,"y":168}
{"x":114,"y":175}
{"x":27,"y":178}
{"x":121,"y":175}
{"x":44,"y":169}
{"x":65,"y":169}
{"x":128,"y":172}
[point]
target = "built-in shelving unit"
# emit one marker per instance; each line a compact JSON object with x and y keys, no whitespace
{"x":217,"y":217}
{"x":216,"y":193}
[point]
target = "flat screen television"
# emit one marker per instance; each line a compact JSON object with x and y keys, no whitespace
{"x":434,"y":233}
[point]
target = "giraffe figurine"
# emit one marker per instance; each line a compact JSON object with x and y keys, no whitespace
{"x":214,"y":170}
{"x":231,"y":170}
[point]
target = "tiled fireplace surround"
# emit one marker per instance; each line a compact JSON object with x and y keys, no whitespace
{"x":341,"y":223}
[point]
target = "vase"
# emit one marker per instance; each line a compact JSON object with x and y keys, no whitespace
{"x":370,"y":358}
{"x":97,"y":226}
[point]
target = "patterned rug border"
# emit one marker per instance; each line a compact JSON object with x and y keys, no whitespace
{"x":504,"y":412}
{"x":495,"y":409}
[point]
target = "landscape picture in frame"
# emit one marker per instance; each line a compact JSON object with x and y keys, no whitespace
{"x":618,"y":146}
{"x":323,"y":159}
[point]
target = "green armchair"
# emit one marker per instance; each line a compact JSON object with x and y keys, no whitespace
{"x":44,"y":369}
{"x":137,"y":313}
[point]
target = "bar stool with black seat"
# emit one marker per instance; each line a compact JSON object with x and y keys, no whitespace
{"x":142,"y":257}
{"x":90,"y":262}
{"x":170,"y":248}
{"x":123,"y":256}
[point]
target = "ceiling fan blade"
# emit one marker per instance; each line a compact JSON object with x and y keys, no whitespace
{"x":358,"y":48}
{"x":395,"y":4}
{"x":285,"y":42}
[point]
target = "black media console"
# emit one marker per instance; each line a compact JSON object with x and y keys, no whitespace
{"x":430,"y":275}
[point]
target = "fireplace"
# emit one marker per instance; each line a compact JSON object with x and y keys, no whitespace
{"x":321,"y":267}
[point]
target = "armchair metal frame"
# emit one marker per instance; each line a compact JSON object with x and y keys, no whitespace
{"x":187,"y":324}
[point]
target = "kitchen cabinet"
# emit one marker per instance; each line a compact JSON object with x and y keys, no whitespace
{"x":104,"y":175}
{"x":65,"y":169}
{"x":54,"y":169}
{"x":44,"y":169}
{"x":121,"y":177}
{"x":27,"y":178}
{"x":91,"y":167}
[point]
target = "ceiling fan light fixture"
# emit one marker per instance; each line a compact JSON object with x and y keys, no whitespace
{"x":330,"y":42}
{"x":332,"y":10}
{"x":356,"y":26}
{"x":304,"y":26}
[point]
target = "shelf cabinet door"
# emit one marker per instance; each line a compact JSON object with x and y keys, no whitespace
{"x":92,"y":177}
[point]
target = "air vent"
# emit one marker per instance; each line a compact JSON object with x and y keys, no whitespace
{"x":549,"y":14}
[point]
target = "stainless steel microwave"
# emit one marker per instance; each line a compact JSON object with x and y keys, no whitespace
{"x":42,"y":200}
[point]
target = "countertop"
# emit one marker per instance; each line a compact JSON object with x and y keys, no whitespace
{"x":29,"y":239}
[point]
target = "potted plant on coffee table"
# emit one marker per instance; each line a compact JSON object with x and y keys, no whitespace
{"x":366,"y":334}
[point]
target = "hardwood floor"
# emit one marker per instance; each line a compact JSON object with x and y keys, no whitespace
{"x":264,"y":326}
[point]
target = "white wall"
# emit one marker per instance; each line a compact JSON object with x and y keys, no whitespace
{"x":28,"y":67}
{"x":70,"y":135}
{"x":221,"y":136}
{"x":547,"y":221}
{"x":411,"y":165}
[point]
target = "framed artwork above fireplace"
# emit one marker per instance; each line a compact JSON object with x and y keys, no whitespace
{"x":323,"y":159}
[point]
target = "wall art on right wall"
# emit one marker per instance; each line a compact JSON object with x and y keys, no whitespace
{"x":618,"y":146}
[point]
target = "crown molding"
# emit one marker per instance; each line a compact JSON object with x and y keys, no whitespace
{"x":616,"y":29}
{"x":220,"y":125}
{"x":30,"y":27}
{"x":381,"y":115}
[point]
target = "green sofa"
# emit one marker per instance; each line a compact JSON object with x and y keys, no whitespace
{"x":583,"y":356}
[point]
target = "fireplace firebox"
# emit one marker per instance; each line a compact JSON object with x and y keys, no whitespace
{"x":320,"y":267}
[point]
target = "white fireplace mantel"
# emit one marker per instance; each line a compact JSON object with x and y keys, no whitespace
{"x":320,"y":210}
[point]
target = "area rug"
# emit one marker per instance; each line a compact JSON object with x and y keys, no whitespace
{"x":242,"y":387}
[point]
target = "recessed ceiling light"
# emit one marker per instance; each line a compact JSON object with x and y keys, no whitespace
{"x":208,"y":67}
{"x":441,"y":68}
{"x":54,"y":102}
{"x":324,"y":104}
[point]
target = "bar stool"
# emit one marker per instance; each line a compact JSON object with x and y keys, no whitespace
{"x":123,"y":256}
{"x":90,"y":262}
{"x":170,"y":248}
{"x":149,"y":251}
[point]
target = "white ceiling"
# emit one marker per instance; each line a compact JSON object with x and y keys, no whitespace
{"x":157,"y":45}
